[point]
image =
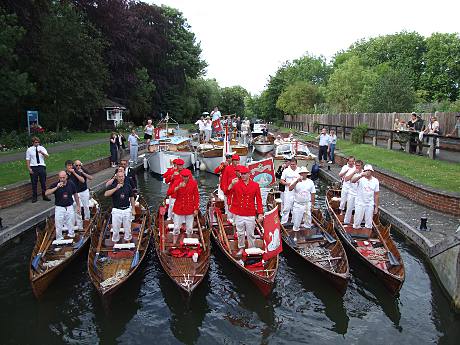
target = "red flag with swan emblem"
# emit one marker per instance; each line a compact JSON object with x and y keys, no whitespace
{"x":272,"y":234}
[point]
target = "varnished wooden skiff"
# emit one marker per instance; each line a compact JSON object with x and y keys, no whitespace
{"x":183,"y":271}
{"x":110,"y":268}
{"x":223,"y":235}
{"x":319,"y":247}
{"x":48,"y":260}
{"x":373,"y":247}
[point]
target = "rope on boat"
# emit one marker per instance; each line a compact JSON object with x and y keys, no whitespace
{"x":316,"y":254}
{"x":114,"y":279}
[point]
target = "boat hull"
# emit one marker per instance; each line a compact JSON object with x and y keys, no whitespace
{"x":213,"y":158}
{"x":160,"y":161}
{"x":264,"y":148}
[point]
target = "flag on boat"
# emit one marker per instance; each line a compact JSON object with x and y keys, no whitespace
{"x":263,"y":172}
{"x":272,"y":234}
{"x":216,"y":125}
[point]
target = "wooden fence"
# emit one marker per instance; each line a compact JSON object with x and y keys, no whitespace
{"x":379,"y":121}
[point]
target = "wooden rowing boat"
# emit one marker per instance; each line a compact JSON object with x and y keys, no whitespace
{"x":319,"y":247}
{"x":374,"y":247}
{"x":177,"y":260}
{"x":49,"y":259}
{"x":223,"y":235}
{"x":264,"y":144}
{"x":108,"y":267}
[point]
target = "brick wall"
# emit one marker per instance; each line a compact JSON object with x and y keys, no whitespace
{"x":437,"y":200}
{"x":14,"y":194}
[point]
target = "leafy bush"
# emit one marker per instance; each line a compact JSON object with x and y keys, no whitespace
{"x":14,"y":140}
{"x":315,"y":126}
{"x":358,"y":133}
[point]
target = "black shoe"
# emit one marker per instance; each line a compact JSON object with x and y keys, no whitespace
{"x":45,"y":198}
{"x":34,"y":200}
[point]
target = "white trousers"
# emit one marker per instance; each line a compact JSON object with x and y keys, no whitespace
{"x":343,"y":197}
{"x":288,"y":203}
{"x":133,"y":153}
{"x":245,"y":225}
{"x":170,"y":208}
{"x":179,"y":219}
{"x":298,"y":213}
{"x":84,"y":202}
{"x":350,"y":207}
{"x":365,"y":212}
{"x":230,"y":215}
{"x":64,"y":217}
{"x":120,"y":217}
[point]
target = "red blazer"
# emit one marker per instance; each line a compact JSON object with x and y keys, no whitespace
{"x":244,"y":199}
{"x":220,"y":168}
{"x":187,"y":198}
{"x":168,"y":175}
{"x":227,"y":176}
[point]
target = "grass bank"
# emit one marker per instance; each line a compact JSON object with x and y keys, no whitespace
{"x":75,"y":137}
{"x":16,"y":171}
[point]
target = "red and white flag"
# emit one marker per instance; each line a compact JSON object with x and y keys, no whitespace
{"x":216,"y":125}
{"x":263,"y":172}
{"x":272,"y":234}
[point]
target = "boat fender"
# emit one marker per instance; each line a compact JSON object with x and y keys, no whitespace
{"x":193,"y":158}
{"x":202,"y":166}
{"x":146,"y":163}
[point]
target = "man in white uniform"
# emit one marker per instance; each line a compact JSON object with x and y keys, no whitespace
{"x":201,"y":126}
{"x":288,"y":176}
{"x":367,"y":197}
{"x":304,"y":197}
{"x":346,"y":169}
{"x":352,"y":189}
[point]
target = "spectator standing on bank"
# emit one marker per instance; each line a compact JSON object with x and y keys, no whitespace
{"x":432,"y":128}
{"x":323,"y":146}
{"x":456,"y":130}
{"x":331,"y":147}
{"x":35,"y":160}
{"x":148,"y":132}
{"x":416,"y":125}
{"x":121,"y":144}
{"x":133,"y":141}
{"x":113,"y":150}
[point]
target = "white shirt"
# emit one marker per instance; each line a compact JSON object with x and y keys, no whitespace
{"x":200,"y":124}
{"x":149,"y":129}
{"x":347,"y":170}
{"x":324,"y":140}
{"x":216,"y":115}
{"x":290,"y":176}
{"x":433,"y":127}
{"x":133,"y":140}
{"x":32,"y":157}
{"x":353,"y":187}
{"x":333,"y":139}
{"x":208,"y":125}
{"x":303,"y":191}
{"x":366,"y":190}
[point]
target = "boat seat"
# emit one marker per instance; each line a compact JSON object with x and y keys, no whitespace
{"x":62,"y":242}
{"x":124,"y":245}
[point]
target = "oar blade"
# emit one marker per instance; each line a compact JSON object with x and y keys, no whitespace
{"x":96,"y":257}
{"x":36,"y":260}
{"x":135,"y":261}
{"x":392,"y":259}
{"x":329,"y":238}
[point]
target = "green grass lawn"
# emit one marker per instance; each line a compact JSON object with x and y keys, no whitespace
{"x":16,"y":171}
{"x":438,"y":174}
{"x":75,"y":136}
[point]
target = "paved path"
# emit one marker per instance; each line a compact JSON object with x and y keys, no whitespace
{"x":54,"y":149}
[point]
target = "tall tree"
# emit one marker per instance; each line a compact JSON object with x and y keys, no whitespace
{"x":70,"y":69}
{"x":140,"y":101}
{"x":299,"y":98}
{"x":233,"y":100}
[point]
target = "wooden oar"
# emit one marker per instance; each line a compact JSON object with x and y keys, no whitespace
{"x":222,"y":231}
{"x":327,"y":235}
{"x":101,"y":237}
{"x":135,"y":261}
{"x":391,"y":258}
{"x":37,"y":257}
{"x":201,"y":233}
{"x":288,"y":238}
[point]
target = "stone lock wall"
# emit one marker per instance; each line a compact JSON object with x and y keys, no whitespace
{"x":15,"y":193}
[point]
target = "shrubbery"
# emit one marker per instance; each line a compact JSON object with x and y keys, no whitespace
{"x":358,"y":133}
{"x":14,"y":140}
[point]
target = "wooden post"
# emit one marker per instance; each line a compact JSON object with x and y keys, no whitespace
{"x":433,"y":148}
{"x":408,"y":146}
{"x":344,"y":129}
{"x":390,"y":141}
{"x":374,"y":139}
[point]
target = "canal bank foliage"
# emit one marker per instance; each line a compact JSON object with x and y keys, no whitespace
{"x":401,"y":72}
{"x":66,"y":58}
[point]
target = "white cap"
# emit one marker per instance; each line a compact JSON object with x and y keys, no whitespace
{"x":368,"y":167}
{"x":304,"y":170}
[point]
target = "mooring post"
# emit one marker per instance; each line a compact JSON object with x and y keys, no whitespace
{"x":432,"y":148}
{"x":374,"y":139}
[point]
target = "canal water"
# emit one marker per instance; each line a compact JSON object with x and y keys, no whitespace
{"x":226,"y":308}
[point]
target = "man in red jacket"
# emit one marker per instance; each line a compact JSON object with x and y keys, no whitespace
{"x":246,"y":204}
{"x":175,"y":175}
{"x":186,"y":204}
{"x":168,"y":174}
{"x":228,"y":174}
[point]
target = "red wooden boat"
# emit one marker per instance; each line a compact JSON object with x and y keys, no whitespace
{"x":223,"y":235}
{"x":374,"y":247}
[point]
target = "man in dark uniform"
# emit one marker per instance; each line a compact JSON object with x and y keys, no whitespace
{"x":123,"y":206}
{"x":65,"y":193}
{"x":83,"y":190}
